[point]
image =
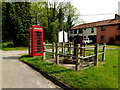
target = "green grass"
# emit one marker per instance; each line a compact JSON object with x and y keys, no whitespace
{"x":108,"y":46}
{"x":9,"y":46}
{"x":103,"y":76}
{"x":113,"y":46}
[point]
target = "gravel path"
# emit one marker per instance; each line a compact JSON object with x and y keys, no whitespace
{"x":16,"y":74}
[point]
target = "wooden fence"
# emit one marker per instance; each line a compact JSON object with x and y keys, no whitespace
{"x":56,"y":52}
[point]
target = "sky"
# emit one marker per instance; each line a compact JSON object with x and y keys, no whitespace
{"x":91,"y":10}
{"x":88,"y":7}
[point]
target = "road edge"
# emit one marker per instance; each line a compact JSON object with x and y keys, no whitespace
{"x":47,"y":76}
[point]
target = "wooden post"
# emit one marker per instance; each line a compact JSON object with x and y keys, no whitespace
{"x":103,"y":55}
{"x":53,"y":49}
{"x":63,"y":44}
{"x":57,"y":53}
{"x":96,"y":54}
{"x":80,"y":41}
{"x":44,"y":53}
{"x":68,"y":44}
{"x":84,"y":49}
{"x":77,"y":58}
{"x":70,"y":49}
{"x":79,"y":50}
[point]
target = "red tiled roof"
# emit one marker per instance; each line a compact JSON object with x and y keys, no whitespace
{"x":99,"y":23}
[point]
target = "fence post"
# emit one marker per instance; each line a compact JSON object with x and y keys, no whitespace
{"x":63,"y":44}
{"x":70,"y":50}
{"x":96,"y":54}
{"x":103,"y":55}
{"x":84,"y":50}
{"x":68,"y":44}
{"x":57,"y":53}
{"x":77,"y":58}
{"x":44,"y":53}
{"x":53,"y":49}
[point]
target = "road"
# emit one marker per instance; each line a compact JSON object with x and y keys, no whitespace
{"x":16,"y":74}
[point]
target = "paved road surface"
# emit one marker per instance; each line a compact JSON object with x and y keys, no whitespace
{"x":16,"y":74}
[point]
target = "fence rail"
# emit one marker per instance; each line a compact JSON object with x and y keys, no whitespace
{"x":56,"y":52}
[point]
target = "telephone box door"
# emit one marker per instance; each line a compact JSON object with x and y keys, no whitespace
{"x":38,"y":43}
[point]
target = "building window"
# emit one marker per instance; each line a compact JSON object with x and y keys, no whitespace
{"x":117,"y":37}
{"x":80,"y":31}
{"x":92,"y":30}
{"x":84,"y":36}
{"x":118,"y":26}
{"x":75,"y":31}
{"x":71,"y":31}
{"x":103,"y":28}
{"x":102,"y":38}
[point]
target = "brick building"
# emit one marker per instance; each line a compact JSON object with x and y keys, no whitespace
{"x":107,"y":31}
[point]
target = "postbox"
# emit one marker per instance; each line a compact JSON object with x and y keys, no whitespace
{"x":35,"y":40}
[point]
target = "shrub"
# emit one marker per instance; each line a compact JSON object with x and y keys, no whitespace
{"x":10,"y":45}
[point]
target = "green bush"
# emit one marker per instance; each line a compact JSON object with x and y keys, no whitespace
{"x":10,"y":45}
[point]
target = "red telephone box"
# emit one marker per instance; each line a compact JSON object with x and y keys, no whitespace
{"x":35,"y":40}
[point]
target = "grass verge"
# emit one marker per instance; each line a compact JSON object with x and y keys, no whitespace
{"x":107,"y":46}
{"x":9,"y":46}
{"x":103,"y":76}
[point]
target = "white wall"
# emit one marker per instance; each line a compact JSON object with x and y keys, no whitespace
{"x":86,"y":32}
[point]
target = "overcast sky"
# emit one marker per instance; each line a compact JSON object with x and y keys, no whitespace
{"x":93,"y":7}
{"x":88,"y":7}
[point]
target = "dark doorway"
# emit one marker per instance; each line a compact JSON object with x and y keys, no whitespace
{"x":93,"y":38}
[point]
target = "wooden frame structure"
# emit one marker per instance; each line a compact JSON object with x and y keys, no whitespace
{"x":56,"y":49}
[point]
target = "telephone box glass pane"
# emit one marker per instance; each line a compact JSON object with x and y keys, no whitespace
{"x":38,"y":42}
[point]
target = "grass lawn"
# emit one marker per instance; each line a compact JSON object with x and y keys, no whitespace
{"x":9,"y":46}
{"x":103,"y":76}
{"x":113,"y":46}
{"x":108,"y":46}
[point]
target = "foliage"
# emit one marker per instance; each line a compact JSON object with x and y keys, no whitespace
{"x":103,"y":76}
{"x":52,"y":16}
{"x":21,"y":18}
{"x":54,"y":31}
{"x":16,"y":20}
{"x":7,"y":25}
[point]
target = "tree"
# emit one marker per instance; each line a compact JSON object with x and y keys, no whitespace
{"x":44,"y":17}
{"x":54,"y":32}
{"x":21,"y":19}
{"x":71,"y":15}
{"x":69,"y":23}
{"x":48,"y":19}
{"x":52,"y":16}
{"x":62,"y":13}
{"x":61,"y":19}
{"x":7,"y":24}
